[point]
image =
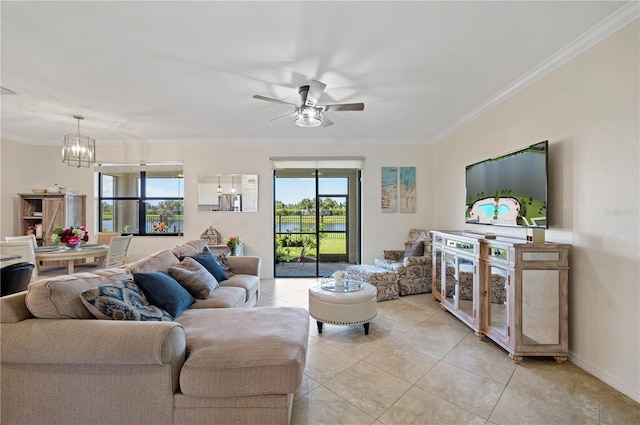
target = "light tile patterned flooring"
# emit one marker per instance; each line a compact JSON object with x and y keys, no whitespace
{"x":421,"y":365}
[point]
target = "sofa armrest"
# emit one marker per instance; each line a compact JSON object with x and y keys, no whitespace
{"x":415,"y":261}
{"x":244,"y":265}
{"x":77,"y":341}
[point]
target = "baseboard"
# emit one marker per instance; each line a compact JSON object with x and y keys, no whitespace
{"x":633,"y":393}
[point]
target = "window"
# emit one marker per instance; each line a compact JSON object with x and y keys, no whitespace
{"x":145,"y":200}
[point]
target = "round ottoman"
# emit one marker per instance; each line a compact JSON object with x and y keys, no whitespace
{"x":341,"y":307}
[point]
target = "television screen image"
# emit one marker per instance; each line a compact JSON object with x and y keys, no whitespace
{"x":509,"y":190}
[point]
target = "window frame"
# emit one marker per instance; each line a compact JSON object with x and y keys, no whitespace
{"x":142,"y":201}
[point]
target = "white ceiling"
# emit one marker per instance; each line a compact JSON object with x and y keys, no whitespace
{"x":156,"y":72}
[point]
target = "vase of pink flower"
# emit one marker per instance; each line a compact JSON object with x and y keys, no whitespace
{"x":71,"y":236}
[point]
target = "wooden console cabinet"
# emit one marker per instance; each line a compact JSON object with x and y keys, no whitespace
{"x":50,"y":211}
{"x":509,"y":290}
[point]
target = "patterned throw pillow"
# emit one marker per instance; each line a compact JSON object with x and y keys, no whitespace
{"x":194,"y":278}
{"x":121,"y":301}
{"x":163,"y":291}
{"x":224,"y":263}
{"x":210,"y":263}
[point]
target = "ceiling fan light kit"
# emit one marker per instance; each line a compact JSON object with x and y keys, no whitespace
{"x":308,"y":116}
{"x":309,"y":113}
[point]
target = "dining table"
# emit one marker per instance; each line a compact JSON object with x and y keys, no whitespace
{"x":70,"y":255}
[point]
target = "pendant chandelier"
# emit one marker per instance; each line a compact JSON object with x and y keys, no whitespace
{"x":219,"y":188}
{"x":77,"y":150}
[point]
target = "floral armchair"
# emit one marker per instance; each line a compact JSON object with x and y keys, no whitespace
{"x":412,"y":264}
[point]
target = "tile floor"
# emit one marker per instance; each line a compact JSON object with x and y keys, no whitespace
{"x":420,"y":365}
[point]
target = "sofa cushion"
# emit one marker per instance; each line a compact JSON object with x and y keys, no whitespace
{"x":223,"y":297}
{"x":415,"y":249}
{"x":164,"y":291}
{"x":193,"y":247}
{"x":194,"y":278}
{"x":121,"y":301}
{"x":234,"y":352}
{"x":210,"y":263}
{"x":59,"y":297}
{"x":249,"y":283}
{"x":156,"y":262}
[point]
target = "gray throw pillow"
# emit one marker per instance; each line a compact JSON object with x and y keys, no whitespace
{"x":194,"y":277}
{"x":121,"y":301}
{"x":415,"y":249}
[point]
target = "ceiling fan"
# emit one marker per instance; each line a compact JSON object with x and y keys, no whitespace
{"x":309,"y":113}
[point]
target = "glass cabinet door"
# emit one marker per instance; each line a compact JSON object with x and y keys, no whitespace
{"x":498,"y":300}
{"x":465,"y":287}
{"x":451,"y":277}
{"x":437,"y":273}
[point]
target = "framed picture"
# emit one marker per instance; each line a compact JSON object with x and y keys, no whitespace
{"x":407,"y":189}
{"x":389,"y":190}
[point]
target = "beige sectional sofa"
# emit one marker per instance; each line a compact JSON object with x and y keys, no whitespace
{"x":219,"y":362}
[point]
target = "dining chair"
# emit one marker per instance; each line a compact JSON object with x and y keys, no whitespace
{"x":34,"y":242}
{"x":18,"y":251}
{"x":31,"y":238}
{"x":117,"y":255}
{"x":105,"y":237}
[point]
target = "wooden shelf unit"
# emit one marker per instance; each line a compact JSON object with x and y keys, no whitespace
{"x":53,"y":209}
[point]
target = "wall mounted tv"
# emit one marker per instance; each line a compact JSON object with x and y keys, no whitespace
{"x":509,"y":190}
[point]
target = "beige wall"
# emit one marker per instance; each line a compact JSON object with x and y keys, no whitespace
{"x":588,"y":110}
{"x":381,"y":231}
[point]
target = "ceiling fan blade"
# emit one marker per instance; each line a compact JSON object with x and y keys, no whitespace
{"x":326,"y":122}
{"x":269,"y":99}
{"x":284,"y":116}
{"x":343,"y":107}
{"x":316,"y":88}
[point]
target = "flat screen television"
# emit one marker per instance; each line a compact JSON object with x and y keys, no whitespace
{"x":510,"y":189}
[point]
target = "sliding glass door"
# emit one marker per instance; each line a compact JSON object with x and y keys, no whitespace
{"x":316,"y":221}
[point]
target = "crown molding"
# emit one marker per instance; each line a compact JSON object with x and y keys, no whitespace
{"x":617,"y":20}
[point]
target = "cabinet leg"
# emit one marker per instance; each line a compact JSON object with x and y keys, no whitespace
{"x":560,"y":359}
{"x":516,"y":359}
{"x":319,"y":323}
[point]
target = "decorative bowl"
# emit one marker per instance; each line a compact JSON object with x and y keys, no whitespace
{"x":39,"y":191}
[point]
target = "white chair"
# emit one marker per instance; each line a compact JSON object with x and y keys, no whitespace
{"x":34,"y":243}
{"x":31,"y":238}
{"x":118,"y":248}
{"x":18,"y":252}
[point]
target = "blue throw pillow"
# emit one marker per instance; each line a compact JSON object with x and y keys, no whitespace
{"x":164,"y":291}
{"x":210,"y":263}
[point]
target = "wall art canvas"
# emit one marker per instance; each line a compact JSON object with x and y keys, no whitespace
{"x":407,"y":189}
{"x":389,"y":190}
